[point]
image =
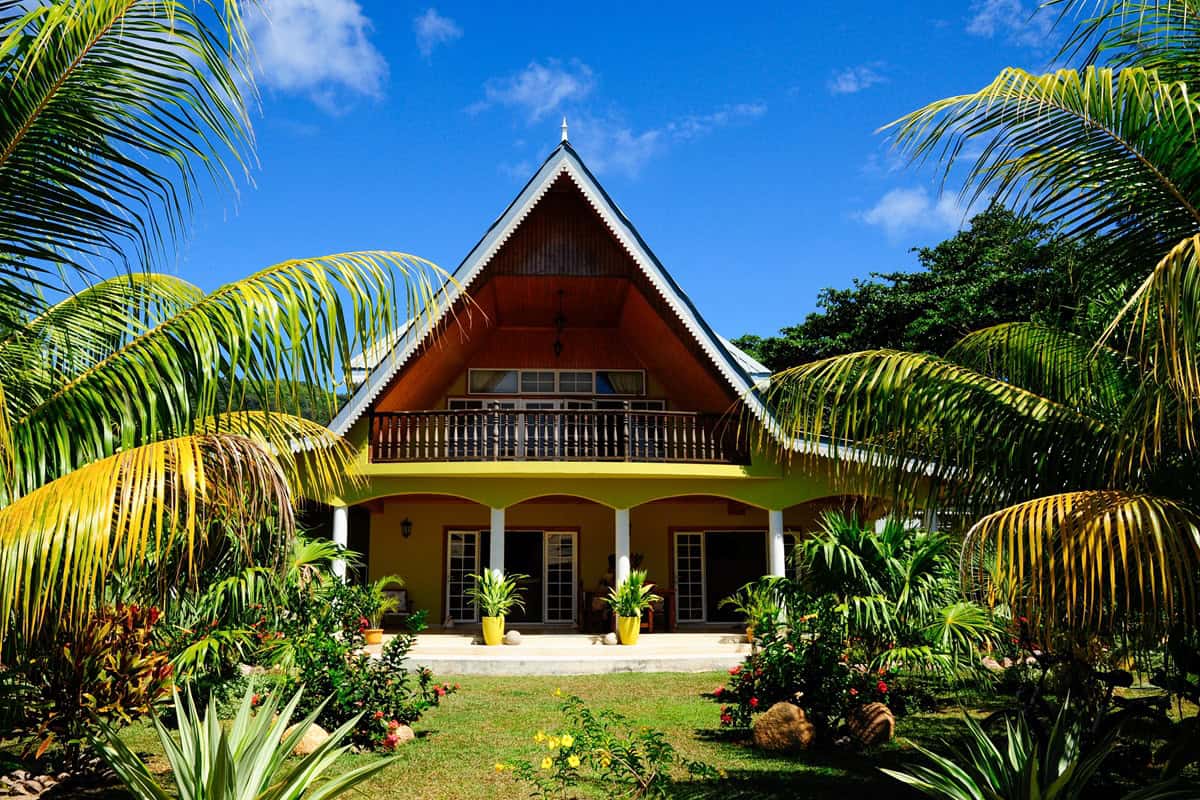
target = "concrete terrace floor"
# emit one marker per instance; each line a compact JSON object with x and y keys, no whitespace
{"x":462,"y":653}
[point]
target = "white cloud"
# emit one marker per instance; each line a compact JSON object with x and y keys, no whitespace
{"x":433,"y":29}
{"x":854,"y":79}
{"x":904,"y":211}
{"x":538,"y":89}
{"x":1017,"y":22}
{"x":319,"y":48}
{"x":611,"y":145}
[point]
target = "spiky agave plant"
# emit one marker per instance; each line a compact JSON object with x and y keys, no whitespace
{"x":246,"y":759}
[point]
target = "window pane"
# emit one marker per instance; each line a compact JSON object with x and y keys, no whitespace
{"x":539,"y":382}
{"x":493,"y":381}
{"x":575,"y":382}
{"x":620,"y":382}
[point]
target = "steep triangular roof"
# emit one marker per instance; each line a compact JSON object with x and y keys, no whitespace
{"x":739,"y":370}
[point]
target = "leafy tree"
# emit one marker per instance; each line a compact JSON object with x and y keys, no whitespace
{"x":1002,"y":268}
{"x":1082,"y":452}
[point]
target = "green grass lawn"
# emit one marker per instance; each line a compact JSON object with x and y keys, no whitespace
{"x":494,"y":719}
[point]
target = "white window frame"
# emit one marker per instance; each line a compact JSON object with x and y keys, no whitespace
{"x":449,"y":555}
{"x":557,"y":381}
{"x":574,"y":537}
{"x":703,"y":576}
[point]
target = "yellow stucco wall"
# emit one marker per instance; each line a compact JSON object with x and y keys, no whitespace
{"x":421,"y":558}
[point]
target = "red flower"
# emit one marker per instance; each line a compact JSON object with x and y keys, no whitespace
{"x":154,"y":614}
{"x":882,"y":687}
{"x":393,"y":725}
{"x":754,"y":702}
{"x":457,"y":687}
{"x":255,"y":699}
{"x":390,"y":741}
{"x":735,"y":670}
{"x":718,"y":690}
{"x":441,"y":691}
{"x":726,"y":719}
{"x":363,"y":623}
{"x":758,"y":673}
{"x":378,"y":715}
{"x":853,"y":692}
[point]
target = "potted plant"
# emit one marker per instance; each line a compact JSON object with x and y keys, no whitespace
{"x":756,"y":602}
{"x":376,"y":603}
{"x":628,"y":601}
{"x":495,"y":595}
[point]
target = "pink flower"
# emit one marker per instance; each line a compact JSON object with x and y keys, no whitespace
{"x":441,"y":691}
{"x":853,"y":692}
{"x":390,"y":741}
{"x":255,"y":699}
{"x":393,"y":725}
{"x":726,"y":719}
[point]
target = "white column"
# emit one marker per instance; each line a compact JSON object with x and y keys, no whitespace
{"x":341,"y":537}
{"x":622,"y":545}
{"x":777,"y":562}
{"x":496,"y":548}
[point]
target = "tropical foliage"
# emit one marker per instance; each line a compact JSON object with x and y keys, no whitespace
{"x":757,"y":603}
{"x":124,"y":433}
{"x":496,"y":594}
{"x":1078,"y":450}
{"x":632,"y":596}
{"x":244,"y":760}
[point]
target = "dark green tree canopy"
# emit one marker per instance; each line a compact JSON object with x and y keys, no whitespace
{"x":1002,"y":268}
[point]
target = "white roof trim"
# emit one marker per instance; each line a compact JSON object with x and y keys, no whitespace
{"x":563,"y":161}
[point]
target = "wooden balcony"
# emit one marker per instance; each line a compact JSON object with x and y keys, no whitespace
{"x":558,"y":435}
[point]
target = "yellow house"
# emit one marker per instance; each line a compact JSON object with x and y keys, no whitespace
{"x":574,"y":418}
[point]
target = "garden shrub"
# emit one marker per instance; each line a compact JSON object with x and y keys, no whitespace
{"x":603,"y":749}
{"x":111,"y":670}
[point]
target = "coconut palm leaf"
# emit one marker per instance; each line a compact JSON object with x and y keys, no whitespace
{"x":1096,"y":150}
{"x":1163,"y":36}
{"x":902,"y":419}
{"x":71,"y":336}
{"x":296,"y":321}
{"x":112,"y":110}
{"x":60,"y":542}
{"x":1056,"y":364}
{"x":1086,"y":561}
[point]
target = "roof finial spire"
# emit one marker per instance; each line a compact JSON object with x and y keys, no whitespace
{"x":564,"y":128}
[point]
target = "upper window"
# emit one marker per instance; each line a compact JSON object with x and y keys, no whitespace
{"x":575,"y":382}
{"x":613,"y":382}
{"x":620,"y":382}
{"x":492,"y":381}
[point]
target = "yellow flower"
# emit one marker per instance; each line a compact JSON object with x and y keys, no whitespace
{"x":547,"y":762}
{"x":554,"y":742}
{"x":567,"y":740}
{"x":605,"y":762}
{"x":499,"y":767}
{"x":539,"y":737}
{"x":573,"y":761}
{"x":558,"y":692}
{"x":722,"y":773}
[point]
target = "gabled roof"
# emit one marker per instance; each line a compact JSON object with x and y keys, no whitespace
{"x":739,"y":370}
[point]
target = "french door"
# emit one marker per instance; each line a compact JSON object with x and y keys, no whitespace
{"x":710,"y":566}
{"x":548,"y":557}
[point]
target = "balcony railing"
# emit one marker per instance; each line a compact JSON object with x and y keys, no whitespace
{"x":556,"y":435}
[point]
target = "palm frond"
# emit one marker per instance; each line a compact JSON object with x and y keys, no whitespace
{"x":296,"y":323}
{"x":71,"y":336}
{"x":59,"y":543}
{"x":1097,"y":150}
{"x":893,"y":419}
{"x":1163,"y":36}
{"x":1087,"y":561}
{"x":1056,"y":364}
{"x":112,"y":110}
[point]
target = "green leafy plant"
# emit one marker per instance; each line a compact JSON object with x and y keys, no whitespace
{"x":375,"y":603}
{"x":631,"y":598}
{"x":495,"y":594}
{"x":112,"y":670}
{"x":757,"y":602}
{"x":602,"y":748}
{"x":244,"y":760}
{"x":1022,"y":768}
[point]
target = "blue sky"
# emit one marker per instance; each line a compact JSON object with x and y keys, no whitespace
{"x":740,"y":140}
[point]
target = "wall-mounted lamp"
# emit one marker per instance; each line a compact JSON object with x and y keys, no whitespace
{"x":406,"y":528}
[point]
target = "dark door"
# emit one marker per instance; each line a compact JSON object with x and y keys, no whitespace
{"x":731,"y":559}
{"x":523,"y":554}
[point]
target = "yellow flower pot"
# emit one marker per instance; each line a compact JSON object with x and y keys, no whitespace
{"x":373,"y":635}
{"x":628,"y":629}
{"x":493,"y":630}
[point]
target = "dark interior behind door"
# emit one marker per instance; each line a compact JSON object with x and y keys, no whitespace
{"x":731,"y":559}
{"x":523,"y":554}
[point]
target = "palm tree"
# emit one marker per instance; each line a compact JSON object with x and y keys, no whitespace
{"x":123,"y":429}
{"x":1080,"y":451}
